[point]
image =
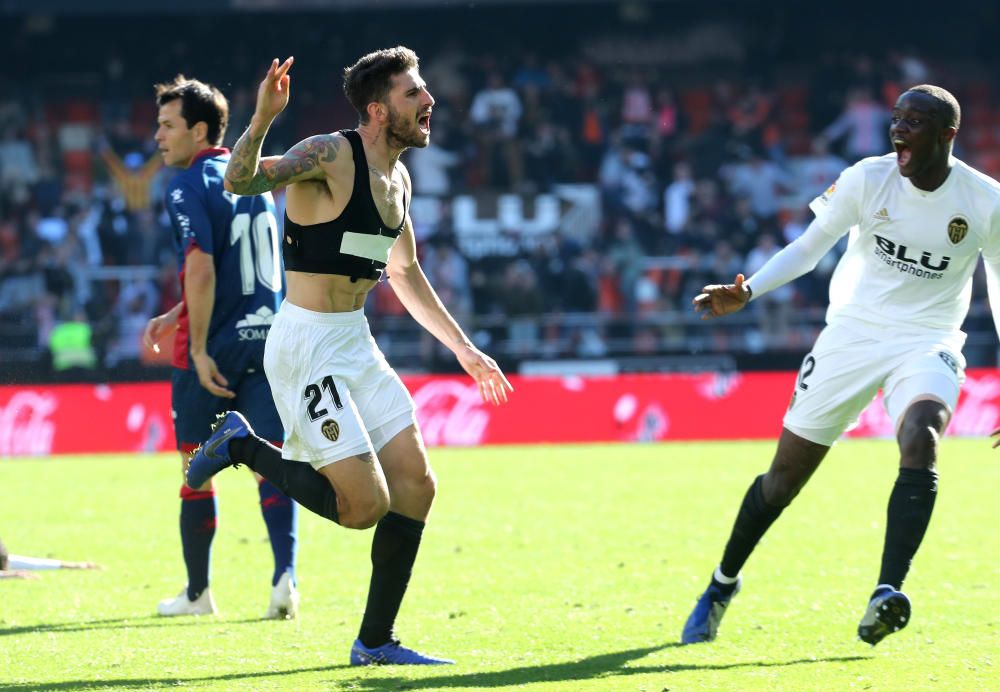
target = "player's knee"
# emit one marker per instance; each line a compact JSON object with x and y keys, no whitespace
{"x":366,"y":513}
{"x":416,"y":492}
{"x":920,"y":432}
{"x":918,"y":440}
{"x":426,"y":488}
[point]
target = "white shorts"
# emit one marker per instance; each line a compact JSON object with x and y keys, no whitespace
{"x":845,"y":370}
{"x":335,"y":392}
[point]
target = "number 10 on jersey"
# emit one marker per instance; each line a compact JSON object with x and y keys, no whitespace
{"x":259,"y":261}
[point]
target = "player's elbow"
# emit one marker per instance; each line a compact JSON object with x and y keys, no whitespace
{"x":394,"y":274}
{"x":400,"y":269}
{"x":199,"y":275}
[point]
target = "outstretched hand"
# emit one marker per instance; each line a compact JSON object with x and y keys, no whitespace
{"x":493,"y":385}
{"x":273,"y":93}
{"x":717,"y":300}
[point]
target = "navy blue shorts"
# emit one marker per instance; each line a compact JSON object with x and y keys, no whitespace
{"x":195,"y":408}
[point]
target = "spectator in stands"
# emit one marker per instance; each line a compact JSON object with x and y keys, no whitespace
{"x":864,"y":122}
{"x":523,"y":304}
{"x":132,"y":312}
{"x":431,"y":167}
{"x":759,"y":180}
{"x":18,"y":166}
{"x":624,"y":262}
{"x":748,"y":114}
{"x":548,"y":155}
{"x":637,"y":111}
{"x":71,"y":344}
{"x":816,"y":171}
{"x":677,"y":199}
{"x":496,"y":113}
{"x":668,"y":116}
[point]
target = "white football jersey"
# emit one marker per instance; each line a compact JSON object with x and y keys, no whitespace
{"x":911,"y":253}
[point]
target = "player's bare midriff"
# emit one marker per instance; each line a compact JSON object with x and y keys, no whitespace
{"x":326,"y":292}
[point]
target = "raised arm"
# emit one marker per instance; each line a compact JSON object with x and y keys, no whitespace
{"x":247,"y":173}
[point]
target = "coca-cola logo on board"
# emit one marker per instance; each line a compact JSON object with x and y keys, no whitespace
{"x":25,"y":429}
{"x":451,"y":413}
{"x":975,"y":414}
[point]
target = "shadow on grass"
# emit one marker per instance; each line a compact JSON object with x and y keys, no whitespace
{"x":605,"y":666}
{"x":595,"y":667}
{"x":118,"y":623}
{"x":146,"y":683}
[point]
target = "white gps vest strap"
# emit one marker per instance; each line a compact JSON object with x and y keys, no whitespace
{"x":372,"y":247}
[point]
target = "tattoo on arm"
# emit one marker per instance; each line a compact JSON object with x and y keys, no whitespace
{"x":248,"y":175}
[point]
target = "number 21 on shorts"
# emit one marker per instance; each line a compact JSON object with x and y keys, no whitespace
{"x":314,"y":394}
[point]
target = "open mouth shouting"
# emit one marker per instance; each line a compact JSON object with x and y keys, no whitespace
{"x":424,"y":123}
{"x":903,"y":152}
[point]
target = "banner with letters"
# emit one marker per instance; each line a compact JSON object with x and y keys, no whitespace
{"x":84,"y":418}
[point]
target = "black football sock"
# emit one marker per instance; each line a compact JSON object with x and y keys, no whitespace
{"x":296,"y":479}
{"x":910,"y":506}
{"x":754,"y":519}
{"x":394,"y":550}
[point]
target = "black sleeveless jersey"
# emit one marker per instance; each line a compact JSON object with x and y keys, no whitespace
{"x":356,"y":243}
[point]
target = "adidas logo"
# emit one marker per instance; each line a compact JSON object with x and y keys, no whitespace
{"x":881,"y":215}
{"x":263,"y":316}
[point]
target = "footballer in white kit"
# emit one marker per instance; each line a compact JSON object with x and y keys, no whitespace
{"x":898,"y":296}
{"x":918,"y":219}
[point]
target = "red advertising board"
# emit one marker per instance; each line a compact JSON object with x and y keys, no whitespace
{"x":60,"y":419}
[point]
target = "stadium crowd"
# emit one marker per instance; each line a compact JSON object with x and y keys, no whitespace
{"x":702,"y":172}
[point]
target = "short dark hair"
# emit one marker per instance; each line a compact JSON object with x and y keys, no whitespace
{"x":200,"y":102}
{"x":370,"y":78}
{"x":950,"y":111}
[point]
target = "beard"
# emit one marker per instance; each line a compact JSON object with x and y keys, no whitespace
{"x":402,"y":133}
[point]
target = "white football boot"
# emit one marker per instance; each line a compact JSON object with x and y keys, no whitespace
{"x":284,"y":600}
{"x":203,"y":605}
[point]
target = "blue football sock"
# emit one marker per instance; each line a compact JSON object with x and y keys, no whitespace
{"x":198,"y":519}
{"x":282,"y":518}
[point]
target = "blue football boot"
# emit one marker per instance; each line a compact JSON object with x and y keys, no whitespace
{"x":213,"y":455}
{"x":703,"y":623}
{"x":392,"y":653}
{"x":888,"y":612}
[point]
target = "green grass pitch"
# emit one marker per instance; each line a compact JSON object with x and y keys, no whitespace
{"x":543,"y":568}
